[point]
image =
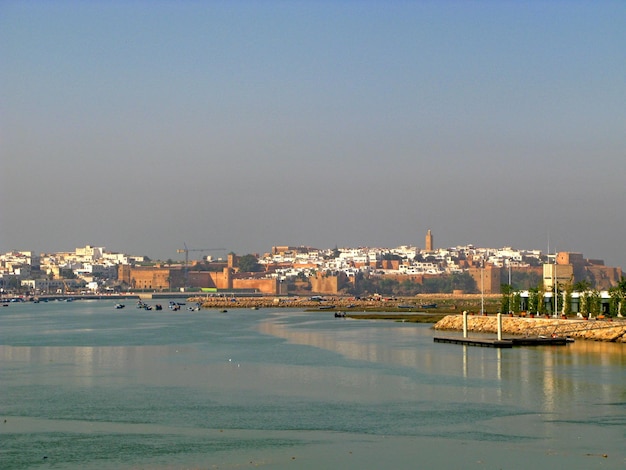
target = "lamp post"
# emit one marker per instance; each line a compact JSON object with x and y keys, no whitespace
{"x":555,"y":289}
{"x":510,"y":285}
{"x":482,"y":286}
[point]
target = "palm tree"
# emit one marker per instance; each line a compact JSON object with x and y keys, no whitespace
{"x":582,"y":286}
{"x":567,"y":306}
{"x":595,"y":305}
{"x":616,"y":300}
{"x":533,"y":300}
{"x":621,"y":286}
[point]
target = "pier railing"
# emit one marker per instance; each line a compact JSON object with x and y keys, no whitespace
{"x":573,"y":327}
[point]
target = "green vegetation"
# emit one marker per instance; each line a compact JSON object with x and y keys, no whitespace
{"x":407,"y":288}
{"x":589,"y":300}
{"x":249,"y":264}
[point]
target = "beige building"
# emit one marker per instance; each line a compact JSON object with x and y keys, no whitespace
{"x":559,"y":273}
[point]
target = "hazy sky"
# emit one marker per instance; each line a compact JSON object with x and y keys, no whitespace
{"x":140,"y":125}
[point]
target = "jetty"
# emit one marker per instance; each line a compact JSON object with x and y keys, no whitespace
{"x":505,"y":342}
{"x":537,"y":331}
{"x":499,"y":341}
{"x":482,"y":342}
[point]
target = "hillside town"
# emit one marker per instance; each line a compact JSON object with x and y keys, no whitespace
{"x":287,"y":270}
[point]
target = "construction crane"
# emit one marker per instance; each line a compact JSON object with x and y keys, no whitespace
{"x":186,"y":251}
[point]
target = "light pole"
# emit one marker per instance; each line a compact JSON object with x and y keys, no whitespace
{"x":555,"y":289}
{"x":482,"y":287}
{"x":510,"y":285}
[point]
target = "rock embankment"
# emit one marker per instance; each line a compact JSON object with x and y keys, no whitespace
{"x":594,"y":330}
{"x":339,"y":303}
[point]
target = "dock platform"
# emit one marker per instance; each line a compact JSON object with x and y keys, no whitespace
{"x":482,"y":342}
{"x":540,"y":341}
{"x":504,"y":343}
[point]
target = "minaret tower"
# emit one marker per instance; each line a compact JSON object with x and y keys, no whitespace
{"x":429,"y":241}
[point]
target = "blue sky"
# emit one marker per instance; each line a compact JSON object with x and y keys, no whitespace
{"x":143,"y":125}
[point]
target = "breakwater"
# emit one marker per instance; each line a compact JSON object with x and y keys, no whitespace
{"x":335,"y":303}
{"x":593,"y":330}
{"x":445,"y":303}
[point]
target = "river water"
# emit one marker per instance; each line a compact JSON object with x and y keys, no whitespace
{"x":86,"y":386}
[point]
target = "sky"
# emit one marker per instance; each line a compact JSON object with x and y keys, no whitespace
{"x":239,"y":125}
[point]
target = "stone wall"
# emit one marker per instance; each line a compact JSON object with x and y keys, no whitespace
{"x":594,"y":330}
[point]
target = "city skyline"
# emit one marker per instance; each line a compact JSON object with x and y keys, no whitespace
{"x":144,"y":126}
{"x":190,"y":254}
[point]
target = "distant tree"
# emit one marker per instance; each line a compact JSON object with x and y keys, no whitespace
{"x":434,"y":285}
{"x":595,"y":303}
{"x":541,"y":301}
{"x":622,"y":304}
{"x":505,"y":302}
{"x":516,"y":303}
{"x":249,"y":264}
{"x":567,"y":307}
{"x":463,"y":281}
{"x":583,"y":303}
{"x":388,"y":286}
{"x":615,"y":301}
{"x":13,"y":283}
{"x":581,"y":286}
{"x":533,"y":300}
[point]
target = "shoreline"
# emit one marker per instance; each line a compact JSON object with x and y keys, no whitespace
{"x":445,"y":303}
{"x":591,"y":330}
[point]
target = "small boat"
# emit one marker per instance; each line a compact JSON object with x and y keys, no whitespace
{"x":428,"y":306}
{"x":120,"y":306}
{"x":158,"y":307}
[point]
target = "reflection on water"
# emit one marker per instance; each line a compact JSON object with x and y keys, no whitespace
{"x":548,"y":377}
{"x":102,"y":390}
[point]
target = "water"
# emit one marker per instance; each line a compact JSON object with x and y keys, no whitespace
{"x":83,"y":385}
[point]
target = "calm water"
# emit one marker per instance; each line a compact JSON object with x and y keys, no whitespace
{"x":83,"y":385}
